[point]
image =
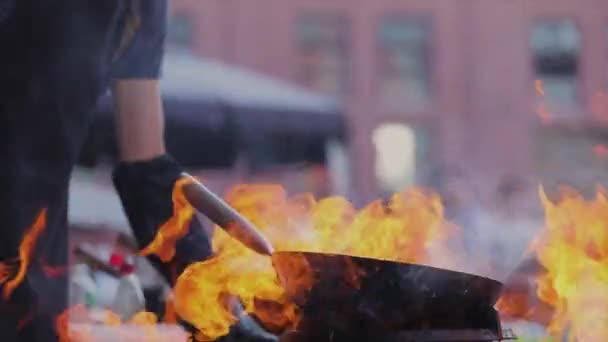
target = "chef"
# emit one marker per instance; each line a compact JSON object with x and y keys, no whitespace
{"x":57,"y":58}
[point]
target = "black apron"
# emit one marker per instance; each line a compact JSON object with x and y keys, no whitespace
{"x":55,"y":58}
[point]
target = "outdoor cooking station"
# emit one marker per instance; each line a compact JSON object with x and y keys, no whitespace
{"x":361,"y":299}
{"x":349,"y":298}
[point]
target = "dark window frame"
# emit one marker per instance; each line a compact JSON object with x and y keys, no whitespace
{"x":428,"y":22}
{"x":545,"y":64}
{"x":343,"y":22}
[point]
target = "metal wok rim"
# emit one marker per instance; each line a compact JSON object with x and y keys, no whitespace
{"x":431,"y":268}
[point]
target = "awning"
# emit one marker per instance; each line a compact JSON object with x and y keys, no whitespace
{"x":209,"y":103}
{"x":191,"y":78}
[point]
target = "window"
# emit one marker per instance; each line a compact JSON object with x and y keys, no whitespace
{"x":555,"y":51}
{"x":404,"y":69}
{"x":572,"y":157}
{"x":180,"y":32}
{"x":322,"y":45}
{"x":401,"y":155}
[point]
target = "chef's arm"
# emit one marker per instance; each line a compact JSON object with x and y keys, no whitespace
{"x":136,"y":72}
{"x":139,"y":119}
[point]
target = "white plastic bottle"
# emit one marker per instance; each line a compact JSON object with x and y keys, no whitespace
{"x":129,"y":298}
{"x":82,"y":286}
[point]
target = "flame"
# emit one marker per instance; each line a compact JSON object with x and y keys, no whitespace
{"x":144,"y":318}
{"x":175,"y":228}
{"x":573,"y":252}
{"x":26,"y":248}
{"x":204,"y":291}
{"x":87,"y":320}
{"x":170,"y":314}
{"x":7,"y":269}
{"x":148,"y":321}
{"x":405,"y":229}
{"x":571,"y":289}
{"x":62,"y":324}
{"x":542,"y":111}
{"x":539,"y":87}
{"x":517,"y":303}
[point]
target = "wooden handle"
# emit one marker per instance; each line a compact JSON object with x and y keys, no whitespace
{"x":220,"y":213}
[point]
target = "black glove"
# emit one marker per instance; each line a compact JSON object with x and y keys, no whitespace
{"x":248,"y":330}
{"x":145,"y":189}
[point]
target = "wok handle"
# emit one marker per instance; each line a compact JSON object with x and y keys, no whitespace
{"x":220,"y":213}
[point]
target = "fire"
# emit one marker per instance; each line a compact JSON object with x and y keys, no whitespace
{"x":573,"y":251}
{"x":62,"y":325}
{"x":540,"y":89}
{"x":144,"y":318}
{"x":541,"y":110}
{"x":405,"y":229}
{"x":26,"y":248}
{"x":175,"y":228}
{"x":170,"y":314}
{"x":517,"y":302}
{"x":205,"y":293}
{"x":7,"y":269}
{"x":572,"y":289}
{"x":401,"y":230}
{"x":80,"y":314}
{"x":79,"y":324}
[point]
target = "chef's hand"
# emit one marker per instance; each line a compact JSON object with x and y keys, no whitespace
{"x":248,"y":330}
{"x":145,"y":189}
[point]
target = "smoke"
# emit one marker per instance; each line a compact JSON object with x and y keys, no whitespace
{"x":496,"y":245}
{"x":494,"y":238}
{"x":494,"y":249}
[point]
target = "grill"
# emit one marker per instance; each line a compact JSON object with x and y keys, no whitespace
{"x":321,"y":333}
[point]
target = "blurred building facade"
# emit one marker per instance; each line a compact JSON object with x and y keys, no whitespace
{"x":429,"y":83}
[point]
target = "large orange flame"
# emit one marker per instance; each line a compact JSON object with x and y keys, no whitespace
{"x":26,"y":250}
{"x":574,"y":252}
{"x":572,"y":284}
{"x":204,"y":291}
{"x":175,"y":228}
{"x":87,"y":321}
{"x":541,"y":110}
{"x":406,"y":229}
{"x":170,"y":314}
{"x":572,"y":288}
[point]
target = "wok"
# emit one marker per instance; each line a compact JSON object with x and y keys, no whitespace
{"x":359,"y":295}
